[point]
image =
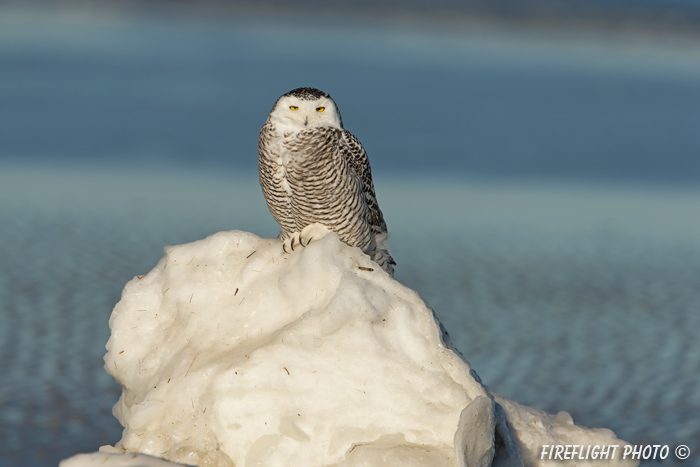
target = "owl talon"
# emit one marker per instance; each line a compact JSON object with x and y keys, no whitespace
{"x":288,"y":243}
{"x":312,"y":233}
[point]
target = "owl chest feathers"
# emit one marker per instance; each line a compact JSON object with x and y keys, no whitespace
{"x":302,"y":159}
{"x":306,"y":179}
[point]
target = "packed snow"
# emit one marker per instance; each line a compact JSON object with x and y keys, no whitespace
{"x":231,"y":352}
{"x":102,"y":459}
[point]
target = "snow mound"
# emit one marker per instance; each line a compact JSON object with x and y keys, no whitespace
{"x":232,"y":353}
{"x":102,"y":459}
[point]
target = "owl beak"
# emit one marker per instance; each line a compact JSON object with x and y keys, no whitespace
{"x":306,"y":121}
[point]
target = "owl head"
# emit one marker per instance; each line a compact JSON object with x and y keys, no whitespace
{"x":303,"y":108}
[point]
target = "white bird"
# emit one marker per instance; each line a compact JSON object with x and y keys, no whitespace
{"x":316,"y":177}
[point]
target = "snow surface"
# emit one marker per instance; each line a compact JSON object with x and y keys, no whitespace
{"x":231,"y":352}
{"x":103,"y":459}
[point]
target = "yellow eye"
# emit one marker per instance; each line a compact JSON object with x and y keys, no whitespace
{"x":320,"y":109}
{"x":294,"y":107}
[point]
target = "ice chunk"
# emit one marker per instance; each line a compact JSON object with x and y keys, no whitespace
{"x":231,"y":352}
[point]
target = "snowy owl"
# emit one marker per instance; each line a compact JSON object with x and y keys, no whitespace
{"x":316,"y":178}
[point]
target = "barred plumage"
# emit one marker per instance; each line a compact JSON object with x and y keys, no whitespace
{"x":313,"y":171}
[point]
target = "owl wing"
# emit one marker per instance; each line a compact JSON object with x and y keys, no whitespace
{"x":277,"y":199}
{"x":355,"y":154}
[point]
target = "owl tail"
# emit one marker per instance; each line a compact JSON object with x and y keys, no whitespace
{"x":384,"y":259}
{"x":378,"y":252}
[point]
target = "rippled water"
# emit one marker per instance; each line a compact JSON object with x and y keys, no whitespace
{"x":562,"y":298}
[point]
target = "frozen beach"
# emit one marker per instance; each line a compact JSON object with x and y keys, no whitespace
{"x":544,"y":202}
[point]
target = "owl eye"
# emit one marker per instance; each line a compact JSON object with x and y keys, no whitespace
{"x":320,"y":109}
{"x":294,"y":107}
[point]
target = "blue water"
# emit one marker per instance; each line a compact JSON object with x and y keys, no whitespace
{"x":471,"y":102}
{"x":541,"y":192}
